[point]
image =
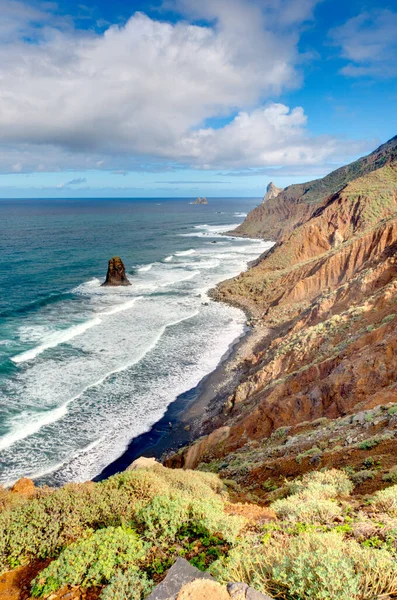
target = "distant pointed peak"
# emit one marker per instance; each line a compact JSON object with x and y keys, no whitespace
{"x":272,"y":191}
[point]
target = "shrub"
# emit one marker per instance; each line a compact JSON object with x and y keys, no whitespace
{"x":386,"y":500}
{"x":164,"y":516}
{"x":311,"y":497}
{"x":91,"y":561}
{"x":391,"y":475}
{"x":9,"y":500}
{"x":308,"y":567}
{"x":131,"y":585}
{"x":328,"y":484}
{"x":312,"y":566}
{"x":304,"y":507}
{"x":43,"y":526}
{"x":361,"y":476}
{"x":376,"y":568}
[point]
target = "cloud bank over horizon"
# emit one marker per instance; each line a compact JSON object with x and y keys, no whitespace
{"x":203,"y":91}
{"x":142,"y":89}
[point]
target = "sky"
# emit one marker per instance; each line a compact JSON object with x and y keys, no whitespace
{"x":180,"y":98}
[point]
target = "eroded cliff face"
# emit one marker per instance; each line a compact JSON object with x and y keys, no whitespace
{"x":328,"y":292}
{"x":297,"y":203}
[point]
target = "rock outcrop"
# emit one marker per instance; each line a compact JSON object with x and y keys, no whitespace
{"x":24,"y":487}
{"x":295,"y":205}
{"x":116,"y":273}
{"x":200,"y":201}
{"x":271,"y":192}
{"x":185,"y":582}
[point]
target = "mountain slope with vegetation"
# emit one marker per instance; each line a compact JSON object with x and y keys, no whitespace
{"x":294,"y":490}
{"x":296,"y":203}
{"x":319,"y":388}
{"x":115,"y":540}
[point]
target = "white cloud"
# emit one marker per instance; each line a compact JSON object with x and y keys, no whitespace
{"x":137,"y":95}
{"x":369,"y":42}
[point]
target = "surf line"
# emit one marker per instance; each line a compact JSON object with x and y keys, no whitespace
{"x":61,"y":337}
{"x":58,"y":413}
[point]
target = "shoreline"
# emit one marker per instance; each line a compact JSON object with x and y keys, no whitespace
{"x":188,"y":411}
{"x":184,"y":419}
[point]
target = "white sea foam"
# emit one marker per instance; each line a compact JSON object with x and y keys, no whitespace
{"x":55,"y":339}
{"x":169,"y":258}
{"x":121,"y":307}
{"x":240,"y":214}
{"x":211,"y":230}
{"x":145,"y":268}
{"x":181,"y":279}
{"x":55,"y":467}
{"x":115,"y":381}
{"x":29,"y":423}
{"x":185,"y":252}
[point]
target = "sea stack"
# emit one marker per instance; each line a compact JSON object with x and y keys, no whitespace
{"x":200,"y":201}
{"x":116,"y":273}
{"x":271,"y":192}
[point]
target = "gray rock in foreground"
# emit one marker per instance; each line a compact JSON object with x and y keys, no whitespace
{"x":182,"y":572}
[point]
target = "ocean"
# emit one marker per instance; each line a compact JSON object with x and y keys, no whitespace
{"x":85,"y":369}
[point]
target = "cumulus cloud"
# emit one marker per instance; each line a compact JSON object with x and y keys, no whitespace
{"x":369,"y":43}
{"x":138,"y":95}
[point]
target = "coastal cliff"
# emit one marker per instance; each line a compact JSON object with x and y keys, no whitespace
{"x":325,"y":297}
{"x":294,"y":487}
{"x":295,"y":204}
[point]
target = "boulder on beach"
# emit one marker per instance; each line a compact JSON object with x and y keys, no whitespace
{"x":116,"y":273}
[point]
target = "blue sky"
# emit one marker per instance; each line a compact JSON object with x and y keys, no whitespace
{"x":184,"y":98}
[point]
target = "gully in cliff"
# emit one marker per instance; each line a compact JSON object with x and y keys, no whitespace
{"x":116,"y":273}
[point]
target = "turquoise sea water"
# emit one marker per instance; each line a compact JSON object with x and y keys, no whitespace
{"x":84,"y":369}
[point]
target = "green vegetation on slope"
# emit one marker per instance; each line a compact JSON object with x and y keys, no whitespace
{"x":295,"y":205}
{"x":319,"y":189}
{"x":123,"y":534}
{"x":324,"y":545}
{"x":129,"y":527}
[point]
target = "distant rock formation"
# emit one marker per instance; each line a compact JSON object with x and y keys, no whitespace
{"x":200,"y":201}
{"x":116,"y":273}
{"x":271,"y":192}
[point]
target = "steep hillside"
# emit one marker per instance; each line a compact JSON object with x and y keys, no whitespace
{"x":117,"y":540}
{"x":328,"y":293}
{"x":296,"y":203}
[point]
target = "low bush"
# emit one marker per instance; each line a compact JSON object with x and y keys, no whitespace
{"x":328,"y":484}
{"x":9,"y":500}
{"x":361,"y":476}
{"x":391,"y":475}
{"x":131,"y":585}
{"x":164,"y":516}
{"x":91,"y":561}
{"x":304,"y":507}
{"x":312,"y":497}
{"x":311,"y":566}
{"x":386,"y":500}
{"x":43,"y":526}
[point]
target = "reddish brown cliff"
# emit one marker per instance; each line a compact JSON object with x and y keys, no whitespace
{"x":328,"y":291}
